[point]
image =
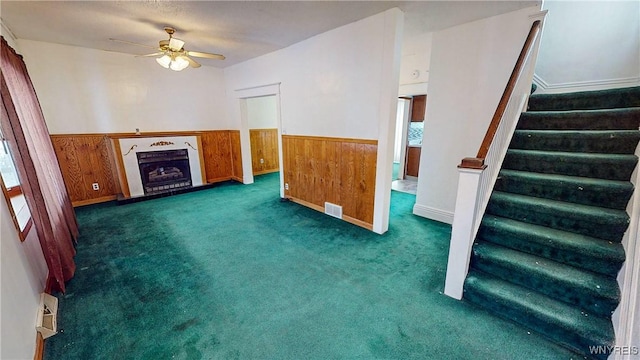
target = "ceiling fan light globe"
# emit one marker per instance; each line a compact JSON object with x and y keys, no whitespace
{"x":179,"y":64}
{"x":164,"y":61}
{"x":175,"y":44}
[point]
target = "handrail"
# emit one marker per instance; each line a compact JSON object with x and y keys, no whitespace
{"x":478,"y":161}
{"x":477,"y":175}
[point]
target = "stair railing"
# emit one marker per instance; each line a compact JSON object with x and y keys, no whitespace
{"x":478,"y":174}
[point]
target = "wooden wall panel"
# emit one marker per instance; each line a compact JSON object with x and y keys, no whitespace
{"x":413,"y":161}
{"x":264,"y":145}
{"x":216,"y":148}
{"x":91,"y":158}
{"x":340,"y":171}
{"x":236,"y":155}
{"x":84,"y":160}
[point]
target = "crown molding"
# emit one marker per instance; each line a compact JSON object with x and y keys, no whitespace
{"x":6,"y":31}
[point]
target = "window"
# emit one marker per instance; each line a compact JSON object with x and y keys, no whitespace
{"x":12,"y":190}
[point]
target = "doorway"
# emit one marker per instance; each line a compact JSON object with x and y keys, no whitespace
{"x":243,"y":96}
{"x":408,"y":142}
{"x":262,"y":118}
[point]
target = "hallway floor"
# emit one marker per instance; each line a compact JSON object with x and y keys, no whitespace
{"x":405,"y":186}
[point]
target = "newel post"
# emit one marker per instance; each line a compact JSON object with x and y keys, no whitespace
{"x":464,"y":221}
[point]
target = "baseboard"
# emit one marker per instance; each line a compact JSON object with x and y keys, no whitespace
{"x":433,"y":213}
{"x":547,"y":88}
{"x":220,"y":179}
{"x":626,"y":318}
{"x":346,"y":218}
{"x":39,"y":354}
{"x":256,"y":173}
{"x":94,"y":201}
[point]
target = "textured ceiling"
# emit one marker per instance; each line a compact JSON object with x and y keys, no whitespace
{"x":240,"y":30}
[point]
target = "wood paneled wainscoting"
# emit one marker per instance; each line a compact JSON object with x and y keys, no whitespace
{"x":222,"y":156}
{"x":264,"y":151}
{"x":236,"y":156}
{"x":86,"y":159}
{"x":336,"y":170}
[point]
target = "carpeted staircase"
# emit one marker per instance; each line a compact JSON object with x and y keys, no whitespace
{"x":548,"y":250}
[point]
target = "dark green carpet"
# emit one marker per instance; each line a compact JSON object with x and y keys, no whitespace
{"x":587,"y":100}
{"x":233,"y":273}
{"x":548,"y":249}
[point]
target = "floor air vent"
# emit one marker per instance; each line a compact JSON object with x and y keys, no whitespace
{"x":333,"y":210}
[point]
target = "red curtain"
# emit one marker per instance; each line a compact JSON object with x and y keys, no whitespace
{"x":26,"y":131}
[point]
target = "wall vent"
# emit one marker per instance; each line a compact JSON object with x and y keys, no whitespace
{"x":46,"y":322}
{"x":333,"y":210}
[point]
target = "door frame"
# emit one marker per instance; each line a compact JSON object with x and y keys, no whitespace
{"x":405,"y":134}
{"x":245,"y":142}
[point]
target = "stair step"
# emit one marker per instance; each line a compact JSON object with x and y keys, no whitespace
{"x":589,"y":141}
{"x":612,"y":194}
{"x":601,"y":166}
{"x":595,"y":293}
{"x":607,"y":224}
{"x":559,"y":321}
{"x":607,"y":119}
{"x":581,"y":251}
{"x":584,"y":100}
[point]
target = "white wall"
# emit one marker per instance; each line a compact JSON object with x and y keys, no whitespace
{"x":589,"y":45}
{"x":333,"y":84}
{"x":470,"y":66}
{"x":329,"y":83}
{"x":91,"y":91}
{"x":415,"y":64}
{"x":262,"y":112}
{"x":23,"y":273}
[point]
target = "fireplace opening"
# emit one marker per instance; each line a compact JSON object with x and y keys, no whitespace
{"x":164,"y":171}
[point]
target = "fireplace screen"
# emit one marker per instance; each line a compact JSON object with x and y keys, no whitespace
{"x":164,"y":171}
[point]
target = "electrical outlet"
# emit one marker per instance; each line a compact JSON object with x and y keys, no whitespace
{"x":261,"y":161}
{"x":286,"y":186}
{"x":95,"y":186}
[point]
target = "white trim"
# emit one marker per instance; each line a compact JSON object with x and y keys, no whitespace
{"x":540,"y":15}
{"x":6,"y":31}
{"x":403,"y":140}
{"x":584,"y":85}
{"x":433,"y":213}
{"x":540,"y":82}
{"x":246,"y":92}
{"x":462,"y":231}
{"x":626,"y":318}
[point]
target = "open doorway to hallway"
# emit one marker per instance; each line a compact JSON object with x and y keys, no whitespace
{"x":408,"y":143}
{"x":262,"y":116}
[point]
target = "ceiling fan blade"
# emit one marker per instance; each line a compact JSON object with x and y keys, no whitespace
{"x":132,"y":43}
{"x":175,"y":44}
{"x":149,"y":55}
{"x":205,"y":55}
{"x":192,"y":63}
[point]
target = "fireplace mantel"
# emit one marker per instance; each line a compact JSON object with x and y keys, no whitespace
{"x":128,"y":148}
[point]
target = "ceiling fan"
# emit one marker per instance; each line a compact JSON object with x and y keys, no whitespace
{"x":173,"y":55}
